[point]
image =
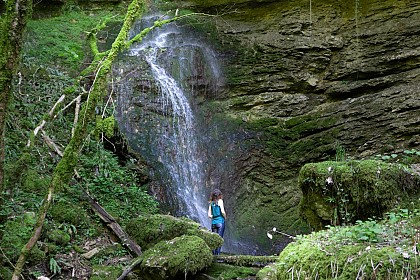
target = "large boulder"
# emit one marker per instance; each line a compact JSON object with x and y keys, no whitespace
{"x":148,"y":230}
{"x":368,"y":250}
{"x":175,"y":258}
{"x":343,"y":192}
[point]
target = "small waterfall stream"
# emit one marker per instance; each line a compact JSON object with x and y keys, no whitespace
{"x":157,"y":82}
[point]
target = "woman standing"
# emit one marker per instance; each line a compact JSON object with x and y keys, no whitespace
{"x":217,"y":215}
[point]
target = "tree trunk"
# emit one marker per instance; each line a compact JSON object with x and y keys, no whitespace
{"x":12,"y":27}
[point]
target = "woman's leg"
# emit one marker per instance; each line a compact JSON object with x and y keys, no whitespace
{"x":215,"y":228}
{"x":222,"y":230}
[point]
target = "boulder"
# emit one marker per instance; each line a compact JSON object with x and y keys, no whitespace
{"x":337,"y":193}
{"x":148,"y":230}
{"x":177,"y":257}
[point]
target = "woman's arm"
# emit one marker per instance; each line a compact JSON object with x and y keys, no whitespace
{"x":209,"y":212}
{"x":222,"y":208}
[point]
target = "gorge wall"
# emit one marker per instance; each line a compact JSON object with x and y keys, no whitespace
{"x":301,"y":78}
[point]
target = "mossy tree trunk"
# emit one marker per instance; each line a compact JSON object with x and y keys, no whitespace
{"x":12,"y":26}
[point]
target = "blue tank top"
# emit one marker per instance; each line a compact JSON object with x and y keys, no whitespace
{"x":217,"y":217}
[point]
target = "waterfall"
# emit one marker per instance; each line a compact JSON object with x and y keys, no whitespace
{"x":156,"y":84}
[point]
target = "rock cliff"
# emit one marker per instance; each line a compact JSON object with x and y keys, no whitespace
{"x":301,"y":78}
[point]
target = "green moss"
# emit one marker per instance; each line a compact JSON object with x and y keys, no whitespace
{"x":16,"y":234}
{"x":105,"y":126}
{"x":33,"y":182}
{"x":67,"y":212}
{"x":357,"y":190}
{"x":179,"y":256}
{"x":147,"y":230}
{"x":322,"y":256}
{"x":58,"y":236}
{"x":102,"y":272}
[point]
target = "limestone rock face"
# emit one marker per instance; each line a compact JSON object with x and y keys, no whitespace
{"x":302,"y":76}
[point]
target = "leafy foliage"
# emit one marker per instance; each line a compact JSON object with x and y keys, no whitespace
{"x":114,"y":186}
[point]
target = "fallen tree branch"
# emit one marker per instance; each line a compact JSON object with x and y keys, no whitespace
{"x":50,"y":143}
{"x":43,"y":122}
{"x":110,"y":222}
{"x":246,"y":260}
{"x":76,"y":113}
{"x":129,"y":268}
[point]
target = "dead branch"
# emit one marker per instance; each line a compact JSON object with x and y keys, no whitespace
{"x":110,"y":222}
{"x":129,"y":268}
{"x":43,"y":122}
{"x":50,"y":143}
{"x":247,"y":260}
{"x":76,"y":113}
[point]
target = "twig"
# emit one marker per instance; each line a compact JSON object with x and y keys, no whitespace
{"x":76,"y":113}
{"x":51,"y":143}
{"x":43,"y":122}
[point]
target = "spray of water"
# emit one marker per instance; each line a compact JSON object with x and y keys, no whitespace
{"x":183,"y":162}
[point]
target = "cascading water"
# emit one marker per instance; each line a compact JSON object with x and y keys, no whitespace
{"x":155,"y":112}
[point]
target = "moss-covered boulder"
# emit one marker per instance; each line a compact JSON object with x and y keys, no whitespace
{"x":58,"y":236}
{"x":343,"y":192}
{"x":148,"y":230}
{"x":177,"y":257}
{"x":343,"y":253}
{"x":67,"y":212}
{"x":16,"y":233}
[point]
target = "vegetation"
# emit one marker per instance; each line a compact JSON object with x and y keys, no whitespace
{"x":49,"y":43}
{"x":386,"y":249}
{"x":224,"y":271}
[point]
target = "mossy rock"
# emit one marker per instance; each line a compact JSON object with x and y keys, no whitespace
{"x":311,"y":258}
{"x":102,"y":272}
{"x":58,"y":236}
{"x":68,"y":212}
{"x":343,"y":192}
{"x":177,"y":257}
{"x":148,"y":230}
{"x":16,"y":233}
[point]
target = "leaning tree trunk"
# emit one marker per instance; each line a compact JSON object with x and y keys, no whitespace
{"x":12,"y":26}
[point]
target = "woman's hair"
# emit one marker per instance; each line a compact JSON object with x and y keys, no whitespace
{"x":215,"y":194}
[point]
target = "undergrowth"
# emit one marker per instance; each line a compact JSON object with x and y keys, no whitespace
{"x":54,"y":52}
{"x":371,"y":249}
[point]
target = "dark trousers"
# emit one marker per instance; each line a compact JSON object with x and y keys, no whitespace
{"x":220,"y":230}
